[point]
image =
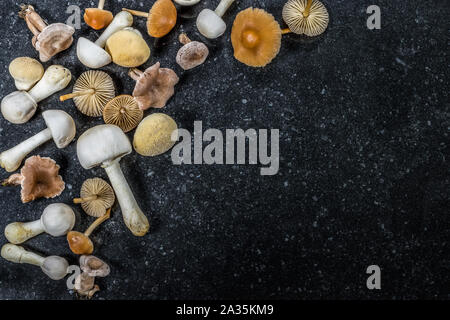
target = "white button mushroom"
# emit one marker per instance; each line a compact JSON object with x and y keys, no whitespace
{"x":105,"y":145}
{"x":92,"y":54}
{"x":57,"y":220}
{"x":53,"y":266}
{"x":18,"y":107}
{"x":60,"y":127}
{"x":210,"y":23}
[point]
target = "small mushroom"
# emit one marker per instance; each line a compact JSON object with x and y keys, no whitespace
{"x":60,"y":127}
{"x":49,"y":40}
{"x":85,"y":285}
{"x":19,"y":106}
{"x":26,"y":72}
{"x":161,"y":18}
{"x":154,"y":86}
{"x":187,"y":3}
{"x":79,"y":242}
{"x":38,"y":178}
{"x":97,"y":18}
{"x":153,"y":135}
{"x":210,"y":23}
{"x":56,"y":220}
{"x":105,"y":145}
{"x":123,"y":111}
{"x":53,"y":266}
{"x":192,"y":54}
{"x":92,"y":54}
{"x":127,"y":48}
{"x":309,"y":17}
{"x":96,"y":196}
{"x":256,"y":37}
{"x":92,"y":90}
{"x":94,"y":266}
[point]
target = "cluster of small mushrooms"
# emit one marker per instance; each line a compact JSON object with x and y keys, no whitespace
{"x":256,"y":40}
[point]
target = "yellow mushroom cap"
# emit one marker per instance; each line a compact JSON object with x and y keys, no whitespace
{"x":256,"y":37}
{"x":127,"y":49}
{"x":124,"y":112}
{"x":162,"y":18}
{"x":153,"y":135}
{"x":311,"y":24}
{"x":26,"y":72}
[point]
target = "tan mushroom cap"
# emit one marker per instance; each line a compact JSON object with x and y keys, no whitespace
{"x":256,"y":37}
{"x":26,"y":72}
{"x":192,"y":54}
{"x":300,"y":19}
{"x":123,"y":111}
{"x":96,"y":196}
{"x":53,"y":39}
{"x":154,"y":135}
{"x":94,"y":266}
{"x":84,"y":285}
{"x":91,"y":92}
{"x":127,"y":49}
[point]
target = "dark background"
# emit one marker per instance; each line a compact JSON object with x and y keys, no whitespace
{"x":364,"y":179}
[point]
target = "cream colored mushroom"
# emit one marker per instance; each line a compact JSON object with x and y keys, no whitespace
{"x":26,"y":72}
{"x":210,"y":23}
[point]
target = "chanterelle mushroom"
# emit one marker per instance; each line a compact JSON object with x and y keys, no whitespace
{"x":26,"y":72}
{"x":48,"y":39}
{"x":56,"y":220}
{"x":39,"y":177}
{"x":60,"y":127}
{"x":55,"y":267}
{"x":192,"y":54}
{"x":105,"y":145}
{"x":154,"y":86}
{"x":18,"y":107}
{"x":210,"y":23}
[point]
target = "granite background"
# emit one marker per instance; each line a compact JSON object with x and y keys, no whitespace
{"x":364,"y":175}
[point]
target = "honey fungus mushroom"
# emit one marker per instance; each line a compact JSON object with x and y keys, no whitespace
{"x":91,"y":92}
{"x":161,"y":18}
{"x":26,"y":72}
{"x":49,"y":40}
{"x":98,"y":18}
{"x":309,"y":17}
{"x":210,"y":23}
{"x":96,"y":196}
{"x":80,"y":243}
{"x":192,"y":54}
{"x":123,"y":111}
{"x":127,"y":48}
{"x":38,"y":178}
{"x":154,"y":86}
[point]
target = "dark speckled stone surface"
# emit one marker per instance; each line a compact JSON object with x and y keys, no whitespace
{"x":364,"y":175}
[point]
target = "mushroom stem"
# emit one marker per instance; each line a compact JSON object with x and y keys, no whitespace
{"x":136,"y":13}
{"x":223,"y":7}
{"x":184,"y":39}
{"x":97,"y":222}
{"x":19,"y":232}
{"x":101,"y":4}
{"x":286,"y":30}
{"x":76,"y":94}
{"x":13,"y":180}
{"x":133,"y":216}
{"x":135,"y":73}
{"x":18,"y":254}
{"x":83,"y":200}
{"x":33,"y":20}
{"x":121,"y":20}
{"x":12,"y":158}
{"x":307,"y":8}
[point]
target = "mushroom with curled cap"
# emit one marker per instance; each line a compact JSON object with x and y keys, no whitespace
{"x":309,"y":17}
{"x":94,"y":266}
{"x":49,"y":40}
{"x":123,"y":111}
{"x":56,"y":220}
{"x":19,"y":106}
{"x":192,"y":54}
{"x":91,"y":92}
{"x":92,"y":54}
{"x":96,"y":196}
{"x":79,"y":242}
{"x":85,"y":285}
{"x":38,"y":178}
{"x":26,"y":72}
{"x":210,"y":23}
{"x":98,"y":18}
{"x":60,"y":127}
{"x":161,"y":18}
{"x":127,"y":48}
{"x":54,"y":267}
{"x":154,"y":86}
{"x":105,"y":145}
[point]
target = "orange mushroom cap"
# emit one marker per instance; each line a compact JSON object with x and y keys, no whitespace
{"x":256,"y":37}
{"x":162,"y":18}
{"x":97,"y":18}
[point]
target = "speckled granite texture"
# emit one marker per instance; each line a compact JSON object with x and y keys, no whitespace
{"x":364,"y":175}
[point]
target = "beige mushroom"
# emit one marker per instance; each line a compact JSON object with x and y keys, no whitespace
{"x":96,"y":196}
{"x":192,"y":54}
{"x":85,"y":286}
{"x":123,"y":111}
{"x":94,"y":266}
{"x":127,"y":48}
{"x":309,"y":17}
{"x":26,"y":72}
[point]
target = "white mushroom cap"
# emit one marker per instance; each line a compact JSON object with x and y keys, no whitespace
{"x":55,"y":267}
{"x":102,"y":144}
{"x":210,"y":24}
{"x":61,"y":126}
{"x":18,"y":107}
{"x":58,"y":219}
{"x":187,"y":2}
{"x":92,"y":55}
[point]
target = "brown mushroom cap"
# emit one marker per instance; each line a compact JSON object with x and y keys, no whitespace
{"x":53,"y":39}
{"x":123,"y":111}
{"x":162,"y":18}
{"x":79,"y":243}
{"x":94,"y":266}
{"x":192,"y":54}
{"x":301,"y":21}
{"x":256,"y":37}
{"x":154,"y":86}
{"x":96,"y":197}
